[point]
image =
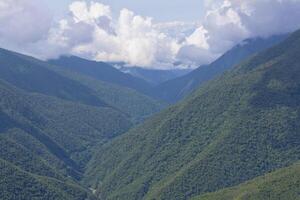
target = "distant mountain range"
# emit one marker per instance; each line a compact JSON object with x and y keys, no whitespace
{"x":178,"y":88}
{"x":154,"y":76}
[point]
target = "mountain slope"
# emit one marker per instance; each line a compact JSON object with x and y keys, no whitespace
{"x":46,"y":142}
{"x":52,"y":121}
{"x":18,"y":184}
{"x":176,"y":89}
{"x":235,"y":128}
{"x":101,"y":71}
{"x":33,"y":75}
{"x":69,"y":130}
{"x":129,"y":101}
{"x":281,"y":184}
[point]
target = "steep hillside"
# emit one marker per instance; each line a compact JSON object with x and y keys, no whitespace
{"x":176,"y":89}
{"x":69,"y":130}
{"x":46,"y":143}
{"x":18,"y":184}
{"x":129,"y":101}
{"x":52,"y":122}
{"x":281,"y":184}
{"x":102,"y":71}
{"x":235,"y":128}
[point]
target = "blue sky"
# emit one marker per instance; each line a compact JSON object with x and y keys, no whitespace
{"x":160,"y":10}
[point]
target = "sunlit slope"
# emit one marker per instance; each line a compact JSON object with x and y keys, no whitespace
{"x":281,"y":184}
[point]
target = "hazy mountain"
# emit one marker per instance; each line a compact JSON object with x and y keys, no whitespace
{"x":178,"y":88}
{"x":237,"y":127}
{"x":102,"y":71}
{"x":154,"y":76}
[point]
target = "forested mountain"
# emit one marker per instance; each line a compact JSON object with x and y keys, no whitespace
{"x":45,"y":140}
{"x":235,"y":128}
{"x":281,"y":184}
{"x":52,"y":121}
{"x":178,"y":88}
{"x":101,"y":71}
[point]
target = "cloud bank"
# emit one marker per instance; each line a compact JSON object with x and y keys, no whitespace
{"x":91,"y":30}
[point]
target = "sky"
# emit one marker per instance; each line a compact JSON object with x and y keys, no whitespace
{"x":146,"y":33}
{"x":179,"y":10}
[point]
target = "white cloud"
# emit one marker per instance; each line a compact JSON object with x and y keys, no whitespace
{"x":130,"y":38}
{"x":228,"y":22}
{"x":91,"y":30}
{"x":23,"y":22}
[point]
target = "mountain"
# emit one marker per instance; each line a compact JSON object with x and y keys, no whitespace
{"x":234,"y":128}
{"x":154,"y":76}
{"x":178,"y":88}
{"x":281,"y":184}
{"x":138,"y":106}
{"x":33,"y":75}
{"x":52,"y":122}
{"x":102,"y":71}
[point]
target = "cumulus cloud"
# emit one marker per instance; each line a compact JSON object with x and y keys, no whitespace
{"x":91,"y":30}
{"x":228,"y":22}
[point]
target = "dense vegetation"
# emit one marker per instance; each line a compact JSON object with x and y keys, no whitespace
{"x":52,"y":121}
{"x":18,"y":184}
{"x":237,"y":127}
{"x":281,"y":184}
{"x":176,"y":89}
{"x":52,"y":138}
{"x":129,"y":101}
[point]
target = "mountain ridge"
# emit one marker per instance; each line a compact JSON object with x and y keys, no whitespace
{"x":174,"y":90}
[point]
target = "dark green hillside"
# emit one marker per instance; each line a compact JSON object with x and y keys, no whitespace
{"x":240,"y":126}
{"x":69,"y":130}
{"x":281,"y":184}
{"x":102,"y":71}
{"x":18,"y":184}
{"x":178,"y":88}
{"x":48,"y":141}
